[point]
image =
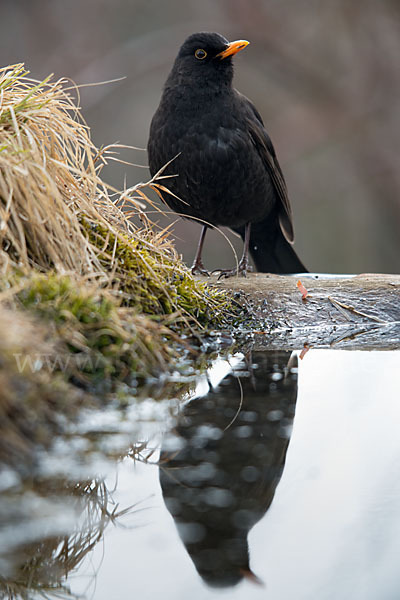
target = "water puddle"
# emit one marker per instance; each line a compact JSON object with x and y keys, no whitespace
{"x":269,"y":476}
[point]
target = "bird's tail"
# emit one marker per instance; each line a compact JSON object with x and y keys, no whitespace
{"x":270,"y":250}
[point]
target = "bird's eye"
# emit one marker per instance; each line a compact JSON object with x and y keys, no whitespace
{"x":200,"y":53}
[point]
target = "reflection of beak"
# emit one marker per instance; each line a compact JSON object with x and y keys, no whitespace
{"x":233,"y":48}
{"x":250,"y":576}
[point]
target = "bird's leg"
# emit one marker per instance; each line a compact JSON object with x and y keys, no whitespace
{"x":244,"y":261}
{"x":197,"y":266}
{"x":243,"y":265}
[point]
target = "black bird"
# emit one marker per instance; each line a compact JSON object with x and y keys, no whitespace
{"x":220,"y":466}
{"x":222,"y":164}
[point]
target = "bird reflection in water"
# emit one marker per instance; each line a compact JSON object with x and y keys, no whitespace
{"x":220,"y":466}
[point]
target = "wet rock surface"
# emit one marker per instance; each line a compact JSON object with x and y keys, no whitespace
{"x":347,"y":311}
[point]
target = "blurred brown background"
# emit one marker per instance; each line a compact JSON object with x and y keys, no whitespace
{"x":324,"y":75}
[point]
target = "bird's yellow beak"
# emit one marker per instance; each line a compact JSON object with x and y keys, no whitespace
{"x":233,"y":48}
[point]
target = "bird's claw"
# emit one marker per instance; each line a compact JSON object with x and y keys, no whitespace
{"x":198,"y":269}
{"x":225,"y":273}
{"x":242,"y":270}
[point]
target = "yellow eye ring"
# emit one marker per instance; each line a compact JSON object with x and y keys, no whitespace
{"x":200,"y":54}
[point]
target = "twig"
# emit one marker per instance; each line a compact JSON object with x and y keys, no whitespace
{"x":340,"y":305}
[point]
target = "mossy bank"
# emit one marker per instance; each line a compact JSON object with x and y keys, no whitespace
{"x":90,"y":299}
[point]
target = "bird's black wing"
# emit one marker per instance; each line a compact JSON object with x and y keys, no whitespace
{"x":265,"y":148}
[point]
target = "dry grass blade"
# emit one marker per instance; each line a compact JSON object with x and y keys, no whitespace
{"x":56,"y":213}
{"x":49,"y":177}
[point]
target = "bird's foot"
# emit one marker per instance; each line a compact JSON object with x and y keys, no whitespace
{"x":242,"y":269}
{"x":199,"y":269}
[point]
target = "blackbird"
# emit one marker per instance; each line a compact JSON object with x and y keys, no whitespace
{"x":222,"y":462}
{"x":217,"y":161}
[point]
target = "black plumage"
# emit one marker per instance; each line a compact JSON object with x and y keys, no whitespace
{"x":221,"y":464}
{"x":223,"y":167}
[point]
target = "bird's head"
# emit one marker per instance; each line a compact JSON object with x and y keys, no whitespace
{"x":207,"y":56}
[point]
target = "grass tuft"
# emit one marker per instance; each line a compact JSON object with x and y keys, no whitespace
{"x":56,"y":213}
{"x":103,"y":288}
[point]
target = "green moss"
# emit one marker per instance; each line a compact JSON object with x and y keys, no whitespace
{"x":102,"y":339}
{"x":57,"y":297}
{"x":152,"y":280}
